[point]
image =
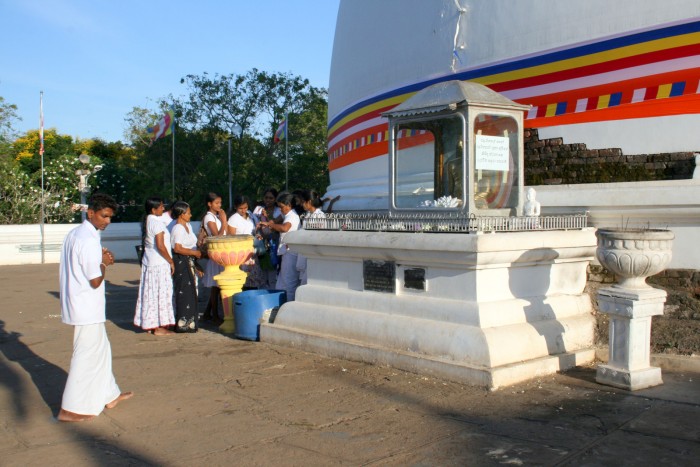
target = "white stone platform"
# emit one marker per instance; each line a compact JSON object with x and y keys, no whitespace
{"x":492,"y":309}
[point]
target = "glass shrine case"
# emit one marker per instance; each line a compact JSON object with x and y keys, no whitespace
{"x":456,"y":146}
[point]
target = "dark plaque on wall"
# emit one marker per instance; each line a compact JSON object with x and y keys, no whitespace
{"x":414,"y":278}
{"x":379,"y":276}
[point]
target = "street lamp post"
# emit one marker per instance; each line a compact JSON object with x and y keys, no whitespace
{"x":83,"y":186}
{"x":230,"y":176}
{"x":236,"y":128}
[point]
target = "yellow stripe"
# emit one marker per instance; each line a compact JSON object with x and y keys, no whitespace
{"x":370,"y":108}
{"x":603,"y":102}
{"x":551,"y":110}
{"x":664,"y":91}
{"x":592,"y":59}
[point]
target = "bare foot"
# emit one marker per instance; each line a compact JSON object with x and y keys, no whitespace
{"x":162,"y":332}
{"x":66,"y":416}
{"x":122,"y":397}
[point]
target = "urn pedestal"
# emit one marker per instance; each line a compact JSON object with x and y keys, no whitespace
{"x":230,"y":252}
{"x":633,"y":256}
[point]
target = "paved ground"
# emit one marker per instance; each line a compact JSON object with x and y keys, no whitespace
{"x":207,"y":399}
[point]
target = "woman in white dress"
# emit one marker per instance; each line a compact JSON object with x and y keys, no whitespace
{"x":185,"y":254}
{"x":215,"y":223}
{"x":154,"y":305}
{"x":288,"y":277}
{"x":312,"y":204}
{"x":243,"y":222}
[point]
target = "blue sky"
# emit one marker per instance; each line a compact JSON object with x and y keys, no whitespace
{"x":97,"y":59}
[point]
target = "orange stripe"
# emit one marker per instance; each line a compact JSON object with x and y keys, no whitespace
{"x":368,"y":131}
{"x":686,"y":104}
{"x":680,"y":105}
{"x":377,"y":149}
{"x":624,"y":86}
{"x":360,"y":154}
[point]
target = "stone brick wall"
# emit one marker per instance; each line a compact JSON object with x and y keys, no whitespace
{"x":551,"y":162}
{"x":677,"y":331}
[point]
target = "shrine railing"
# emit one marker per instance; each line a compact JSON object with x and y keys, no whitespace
{"x":443,"y":223}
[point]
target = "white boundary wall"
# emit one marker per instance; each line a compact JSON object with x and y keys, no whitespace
{"x":21,"y":244}
{"x":664,"y":204}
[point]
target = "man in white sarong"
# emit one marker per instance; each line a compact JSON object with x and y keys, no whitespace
{"x":90,"y":387}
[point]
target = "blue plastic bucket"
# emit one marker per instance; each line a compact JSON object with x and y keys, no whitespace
{"x":249,"y":307}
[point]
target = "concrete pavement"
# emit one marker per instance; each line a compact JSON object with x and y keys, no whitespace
{"x":207,"y":399}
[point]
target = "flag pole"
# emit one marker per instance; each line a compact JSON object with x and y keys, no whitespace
{"x":41,"y":153}
{"x":286,"y":151}
{"x":172,"y":194}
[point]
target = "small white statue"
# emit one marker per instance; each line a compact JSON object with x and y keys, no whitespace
{"x":531,"y":208}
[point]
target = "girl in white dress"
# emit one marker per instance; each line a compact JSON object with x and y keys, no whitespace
{"x":243,"y":222}
{"x":288,"y":277}
{"x":312,"y":205}
{"x":215,"y":223}
{"x":154,"y":305}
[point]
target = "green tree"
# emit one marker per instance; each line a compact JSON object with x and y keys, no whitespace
{"x":20,"y":199}
{"x":25,"y":149}
{"x":248,"y":108}
{"x":308,"y":164}
{"x":8,"y":115}
{"x":20,"y":193}
{"x":61,"y":186}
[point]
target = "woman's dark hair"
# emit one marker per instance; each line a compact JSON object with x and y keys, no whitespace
{"x":272,"y":191}
{"x":169,"y":207}
{"x":178,"y":208}
{"x":299,"y":206}
{"x":288,"y":199}
{"x":240,"y":199}
{"x":211,"y":197}
{"x":310,"y":196}
{"x":237,"y":201}
{"x":152,"y":203}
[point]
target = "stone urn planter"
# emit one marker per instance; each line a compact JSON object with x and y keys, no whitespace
{"x":632,"y":255}
{"x":230,"y":251}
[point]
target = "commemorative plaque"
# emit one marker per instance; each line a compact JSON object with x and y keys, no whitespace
{"x":379,"y":276}
{"x":414,"y":278}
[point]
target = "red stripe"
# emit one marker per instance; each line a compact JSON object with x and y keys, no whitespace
{"x":372,"y":130}
{"x":360,"y":119}
{"x":651,"y":93}
{"x":681,"y":105}
{"x":627,"y":96}
{"x":691,"y":86}
{"x":611,"y":65}
{"x":627,"y":62}
{"x":625,"y":86}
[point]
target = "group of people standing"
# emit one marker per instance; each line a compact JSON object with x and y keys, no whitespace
{"x":168,"y":289}
{"x":170,"y":271}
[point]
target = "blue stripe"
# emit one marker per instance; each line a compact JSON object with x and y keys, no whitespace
{"x":677,"y":89}
{"x":561,"y":108}
{"x":646,"y":36}
{"x":615,"y":99}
